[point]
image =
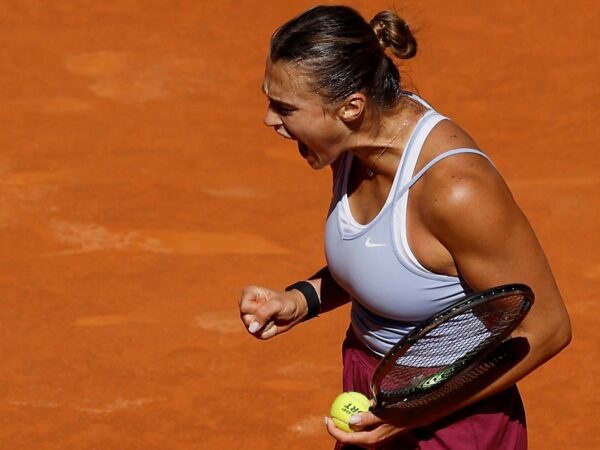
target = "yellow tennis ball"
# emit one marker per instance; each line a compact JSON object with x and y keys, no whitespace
{"x":345,"y":405}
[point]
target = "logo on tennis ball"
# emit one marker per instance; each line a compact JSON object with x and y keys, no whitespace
{"x":345,"y":405}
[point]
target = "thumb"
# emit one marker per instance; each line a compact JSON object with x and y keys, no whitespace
{"x":362,"y":420}
{"x":264,"y":316}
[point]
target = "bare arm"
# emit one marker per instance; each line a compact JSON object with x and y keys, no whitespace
{"x":467,"y":208}
{"x":491,"y":242}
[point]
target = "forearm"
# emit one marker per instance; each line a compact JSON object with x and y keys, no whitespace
{"x":512,"y":361}
{"x":331,"y":295}
{"x":523,"y":353}
{"x":542,"y":335}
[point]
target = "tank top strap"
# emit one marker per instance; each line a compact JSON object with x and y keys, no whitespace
{"x":413,"y":148}
{"x":435,"y":160}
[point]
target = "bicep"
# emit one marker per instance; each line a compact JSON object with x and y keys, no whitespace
{"x":476,"y":218}
{"x":492,"y":243}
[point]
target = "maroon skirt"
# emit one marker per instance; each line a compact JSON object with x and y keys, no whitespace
{"x":495,"y":423}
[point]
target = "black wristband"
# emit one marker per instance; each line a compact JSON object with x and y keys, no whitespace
{"x":311,"y":296}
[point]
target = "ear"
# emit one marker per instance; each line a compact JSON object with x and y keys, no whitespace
{"x":352,"y":108}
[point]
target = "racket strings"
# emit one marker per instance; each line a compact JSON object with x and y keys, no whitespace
{"x":441,"y":352}
{"x":444,"y":390}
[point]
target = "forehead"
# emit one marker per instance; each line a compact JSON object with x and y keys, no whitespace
{"x":286,"y":81}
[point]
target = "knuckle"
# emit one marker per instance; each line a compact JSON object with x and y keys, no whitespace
{"x":263,"y":314}
{"x":247,"y":290}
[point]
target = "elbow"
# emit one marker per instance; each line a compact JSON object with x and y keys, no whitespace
{"x":549,"y":338}
{"x":565,"y":335}
{"x":559,"y":337}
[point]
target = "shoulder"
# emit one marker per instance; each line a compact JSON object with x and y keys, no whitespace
{"x":463,"y":194}
{"x":447,"y":135}
{"x":463,"y":181}
{"x":458,"y":174}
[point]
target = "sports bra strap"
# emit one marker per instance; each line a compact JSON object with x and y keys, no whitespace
{"x":438,"y":158}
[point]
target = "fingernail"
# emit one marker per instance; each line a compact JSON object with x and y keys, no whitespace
{"x":326,"y":420}
{"x":254,"y":326}
{"x":354,"y":419}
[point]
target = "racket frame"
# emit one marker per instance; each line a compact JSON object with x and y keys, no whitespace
{"x":469,"y":302}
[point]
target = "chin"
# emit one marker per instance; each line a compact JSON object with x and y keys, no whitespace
{"x":316,"y":164}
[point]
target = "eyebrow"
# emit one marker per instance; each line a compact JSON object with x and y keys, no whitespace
{"x":280,"y":104}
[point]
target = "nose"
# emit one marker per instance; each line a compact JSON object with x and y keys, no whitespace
{"x":271,"y":118}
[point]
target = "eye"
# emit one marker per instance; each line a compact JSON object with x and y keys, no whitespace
{"x":281,"y":109}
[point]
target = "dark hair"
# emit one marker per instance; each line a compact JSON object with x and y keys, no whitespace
{"x":343,"y":54}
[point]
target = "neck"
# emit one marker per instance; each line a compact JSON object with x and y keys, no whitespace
{"x":376,"y":154}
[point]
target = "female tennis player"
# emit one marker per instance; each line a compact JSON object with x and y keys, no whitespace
{"x":419,"y":219}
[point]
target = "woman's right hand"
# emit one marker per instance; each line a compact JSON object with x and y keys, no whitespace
{"x":267,"y":313}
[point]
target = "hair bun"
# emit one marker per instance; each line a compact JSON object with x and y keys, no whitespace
{"x":393,"y":33}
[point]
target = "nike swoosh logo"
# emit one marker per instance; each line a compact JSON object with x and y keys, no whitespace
{"x":370,"y":244}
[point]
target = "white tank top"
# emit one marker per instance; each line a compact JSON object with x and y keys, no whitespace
{"x":391,"y":291}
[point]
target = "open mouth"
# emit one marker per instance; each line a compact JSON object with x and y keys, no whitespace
{"x":303,"y":149}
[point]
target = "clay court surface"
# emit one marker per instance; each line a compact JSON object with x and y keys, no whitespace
{"x":139,"y":191}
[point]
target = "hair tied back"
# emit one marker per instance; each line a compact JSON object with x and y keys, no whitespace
{"x":394,"y":33}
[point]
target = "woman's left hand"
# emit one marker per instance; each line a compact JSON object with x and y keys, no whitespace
{"x":371,"y":431}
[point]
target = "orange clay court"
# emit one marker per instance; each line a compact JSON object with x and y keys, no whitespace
{"x":139,"y":191}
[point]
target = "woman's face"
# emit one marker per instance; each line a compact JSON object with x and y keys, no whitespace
{"x":295,"y":112}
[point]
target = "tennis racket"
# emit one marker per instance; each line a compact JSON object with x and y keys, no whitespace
{"x":450,"y":349}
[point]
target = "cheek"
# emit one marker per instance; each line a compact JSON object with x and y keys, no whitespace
{"x":314,"y":131}
{"x":325,"y":138}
